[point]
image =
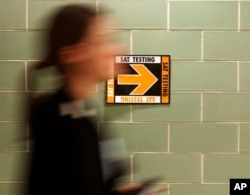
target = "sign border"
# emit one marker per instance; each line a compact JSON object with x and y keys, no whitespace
{"x":112,"y":80}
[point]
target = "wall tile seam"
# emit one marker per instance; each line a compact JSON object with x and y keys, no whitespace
{"x":238,"y":77}
{"x":172,"y":60}
{"x":173,"y":183}
{"x":27,"y":14}
{"x":27,"y":91}
{"x":2,"y":61}
{"x":13,"y":121}
{"x":23,"y":30}
{"x":202,"y":168}
{"x":173,"y":91}
{"x":205,"y":183}
{"x":157,"y":183}
{"x":132,"y":171}
{"x":238,"y":138}
{"x":190,"y":153}
{"x":209,"y":29}
{"x":209,"y":92}
{"x":139,"y":29}
{"x":202,"y":46}
{"x":172,"y":152}
{"x":206,"y":0}
{"x":14,"y":152}
{"x":201,"y":107}
{"x":190,"y":30}
{"x":167,"y":122}
{"x":13,"y":182}
{"x":168,"y":138}
{"x":179,"y":122}
{"x":131,"y":46}
{"x":131,"y":113}
{"x":239,"y":15}
{"x":197,"y":121}
{"x":168,"y":14}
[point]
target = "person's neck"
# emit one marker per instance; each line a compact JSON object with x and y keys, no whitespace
{"x":78,"y":88}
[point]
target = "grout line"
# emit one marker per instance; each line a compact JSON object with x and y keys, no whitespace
{"x":26,"y":75}
{"x":202,"y":103}
{"x":238,"y":139}
{"x":27,"y":15}
{"x":202,"y":46}
{"x":169,"y":134}
{"x":173,"y":60}
{"x":168,"y":122}
{"x":205,"y":183}
{"x":202,"y":168}
{"x":132,"y":168}
{"x":131,"y":42}
{"x":187,"y":152}
{"x":238,"y":77}
{"x":13,"y":182}
{"x":168,"y":15}
{"x":131,"y":114}
{"x":173,"y":92}
{"x":239,"y":16}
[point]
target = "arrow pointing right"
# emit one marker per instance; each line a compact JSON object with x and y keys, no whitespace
{"x":144,"y":79}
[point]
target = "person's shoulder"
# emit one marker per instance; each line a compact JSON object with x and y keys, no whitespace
{"x":43,"y":107}
{"x":43,"y":102}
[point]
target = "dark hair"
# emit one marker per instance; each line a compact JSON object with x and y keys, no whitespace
{"x":68,"y":27}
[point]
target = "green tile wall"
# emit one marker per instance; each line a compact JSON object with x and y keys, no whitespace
{"x":139,"y":136}
{"x":21,"y":45}
{"x":203,"y":15}
{"x":204,"y":189}
{"x":245,"y":6}
{"x":13,"y":188}
{"x":220,"y":168}
{"x":13,"y":166}
{"x":244,"y":137}
{"x":13,"y":106}
{"x":13,"y":137}
{"x":226,"y":107}
{"x":203,"y":138}
{"x":132,"y":14}
{"x":184,"y":107}
{"x":198,"y":142}
{"x":171,"y":167}
{"x":244,"y":76}
{"x":232,"y":46}
{"x":17,"y":79}
{"x":185,"y":75}
{"x":176,"y":43}
{"x":12,"y":14}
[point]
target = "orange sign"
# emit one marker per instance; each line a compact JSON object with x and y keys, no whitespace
{"x":147,"y":82}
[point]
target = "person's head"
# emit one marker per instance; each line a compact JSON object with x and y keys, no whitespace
{"x":78,"y":43}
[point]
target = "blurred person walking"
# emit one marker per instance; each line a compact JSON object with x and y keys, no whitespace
{"x":65,"y":155}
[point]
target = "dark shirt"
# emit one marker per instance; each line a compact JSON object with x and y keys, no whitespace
{"x":66,"y":156}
